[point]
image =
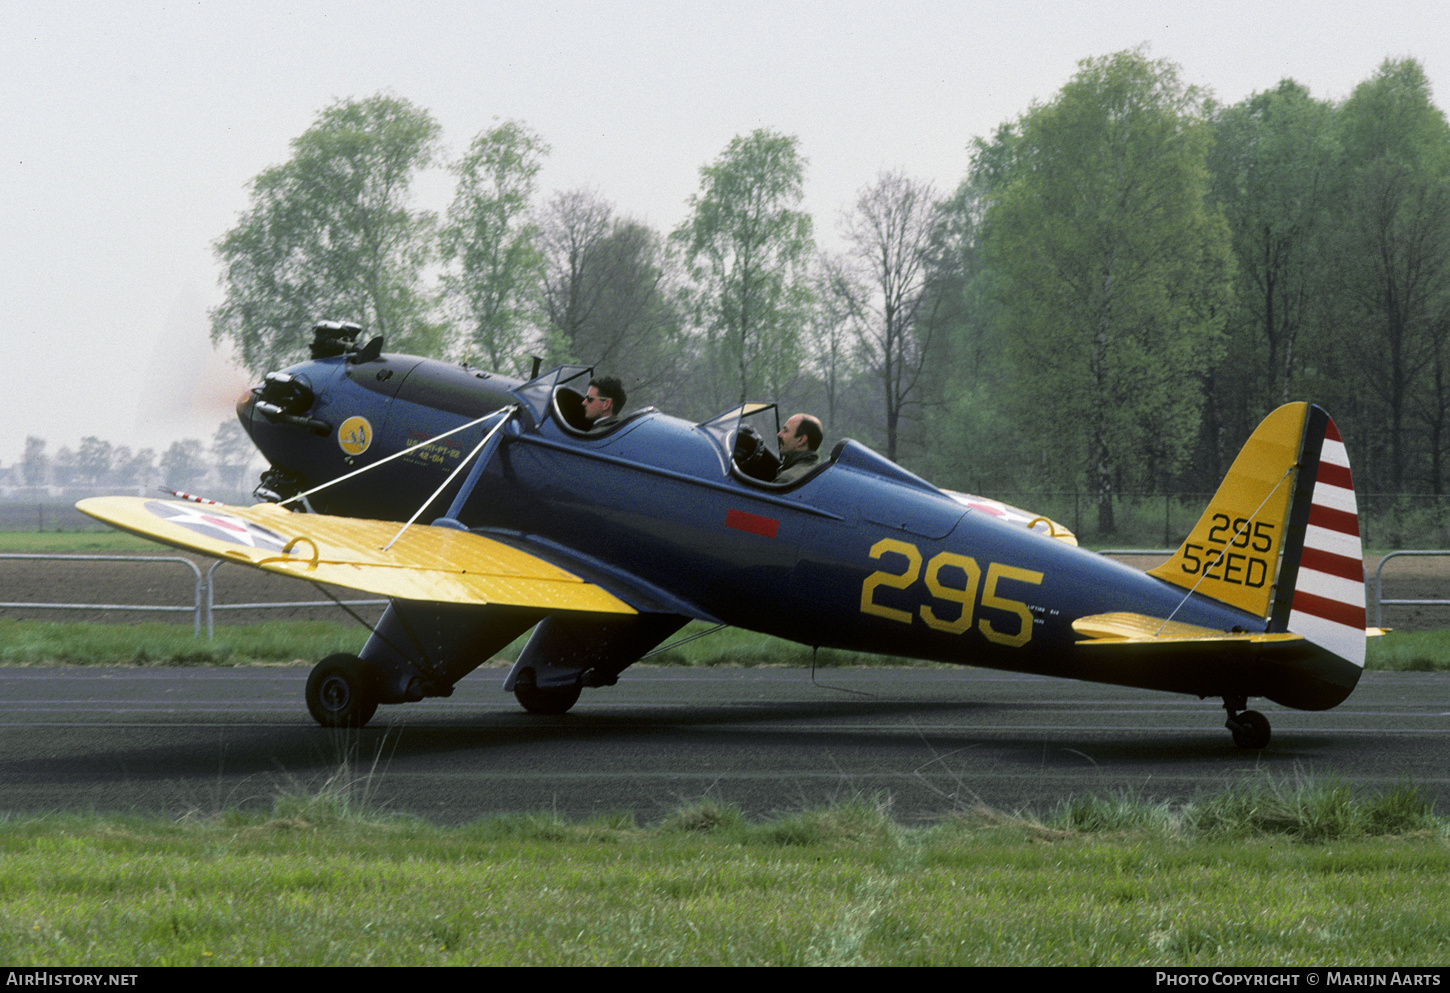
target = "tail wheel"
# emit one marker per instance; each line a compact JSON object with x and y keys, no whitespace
{"x":555,"y":700}
{"x":341,"y":692}
{"x":1250,"y":729}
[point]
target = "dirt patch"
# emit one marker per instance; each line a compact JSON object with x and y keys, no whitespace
{"x":1410,"y":578}
{"x":161,"y":582}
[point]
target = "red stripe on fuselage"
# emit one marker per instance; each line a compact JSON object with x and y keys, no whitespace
{"x":752,"y":523}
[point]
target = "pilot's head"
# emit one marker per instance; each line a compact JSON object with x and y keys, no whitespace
{"x":605,"y":398}
{"x":801,"y":433}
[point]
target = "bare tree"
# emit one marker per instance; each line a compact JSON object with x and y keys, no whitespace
{"x":882,"y":281}
{"x":607,"y":295}
{"x":571,"y":230}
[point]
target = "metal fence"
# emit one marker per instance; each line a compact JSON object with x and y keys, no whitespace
{"x":1380,"y":602}
{"x":203,"y":606}
{"x":1375,"y":588}
{"x":151,"y":608}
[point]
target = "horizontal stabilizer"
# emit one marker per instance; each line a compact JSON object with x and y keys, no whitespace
{"x":444,"y":565}
{"x":1137,"y":650}
{"x":1123,"y":628}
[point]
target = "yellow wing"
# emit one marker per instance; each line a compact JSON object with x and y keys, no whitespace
{"x":426,"y":563}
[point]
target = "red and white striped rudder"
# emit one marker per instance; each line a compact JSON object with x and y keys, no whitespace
{"x":1326,"y":604}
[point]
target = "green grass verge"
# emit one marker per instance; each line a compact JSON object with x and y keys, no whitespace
{"x":156,"y":643}
{"x":1409,"y":651}
{"x":79,"y":543}
{"x":321,"y":880}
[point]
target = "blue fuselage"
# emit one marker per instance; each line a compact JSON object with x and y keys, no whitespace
{"x":862,"y":555}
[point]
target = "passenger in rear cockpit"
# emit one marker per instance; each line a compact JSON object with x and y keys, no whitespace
{"x":799,"y":441}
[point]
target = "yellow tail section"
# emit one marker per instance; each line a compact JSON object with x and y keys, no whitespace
{"x":1233,"y":552}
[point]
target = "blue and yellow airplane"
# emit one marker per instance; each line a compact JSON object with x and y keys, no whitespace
{"x":485,"y":506}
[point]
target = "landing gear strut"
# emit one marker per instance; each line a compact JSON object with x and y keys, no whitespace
{"x":342,"y":692}
{"x":1249,"y":727}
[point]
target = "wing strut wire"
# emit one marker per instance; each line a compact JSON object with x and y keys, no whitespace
{"x":422,"y":663}
{"x":454,"y":474}
{"x":396,"y":455}
{"x":683,"y":641}
{"x":372,"y":629}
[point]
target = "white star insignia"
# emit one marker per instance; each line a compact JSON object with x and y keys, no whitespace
{"x":209,"y":523}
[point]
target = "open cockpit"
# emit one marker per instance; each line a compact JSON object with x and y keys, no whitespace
{"x":744,"y":437}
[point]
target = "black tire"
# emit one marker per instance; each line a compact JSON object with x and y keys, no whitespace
{"x":551,"y":701}
{"x":1251,"y":730}
{"x":341,"y":692}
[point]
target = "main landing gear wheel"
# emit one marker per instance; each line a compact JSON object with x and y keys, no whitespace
{"x":550,"y":701}
{"x":1250,"y":729}
{"x":341,"y":692}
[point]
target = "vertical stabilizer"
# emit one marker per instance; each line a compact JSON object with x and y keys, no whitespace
{"x":1280,"y":538}
{"x":1321,"y":592}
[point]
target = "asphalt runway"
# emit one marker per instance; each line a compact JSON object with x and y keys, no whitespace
{"x":772,"y":741}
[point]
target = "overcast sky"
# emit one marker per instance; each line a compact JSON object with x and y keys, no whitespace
{"x":130,"y":131}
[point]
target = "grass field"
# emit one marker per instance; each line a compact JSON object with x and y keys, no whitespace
{"x":82,"y":643}
{"x":1259,"y":876}
{"x":304,"y":642}
{"x":77,"y":542}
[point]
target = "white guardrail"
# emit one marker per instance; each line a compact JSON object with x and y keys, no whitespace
{"x":1379,"y":609}
{"x":203,"y":605}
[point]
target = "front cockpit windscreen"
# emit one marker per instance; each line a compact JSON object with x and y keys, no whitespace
{"x":538,"y":393}
{"x":746,"y":435}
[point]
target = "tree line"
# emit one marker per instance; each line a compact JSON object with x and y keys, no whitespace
{"x":1130,"y":276}
{"x":99,"y":464}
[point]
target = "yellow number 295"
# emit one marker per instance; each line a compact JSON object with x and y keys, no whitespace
{"x":946,"y":586}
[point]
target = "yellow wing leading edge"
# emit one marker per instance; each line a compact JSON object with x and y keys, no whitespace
{"x":426,"y":563}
